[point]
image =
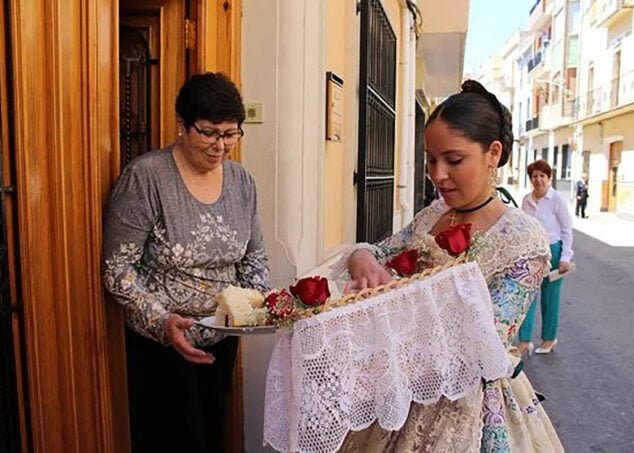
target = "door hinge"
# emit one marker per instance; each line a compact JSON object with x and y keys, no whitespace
{"x":190,"y":34}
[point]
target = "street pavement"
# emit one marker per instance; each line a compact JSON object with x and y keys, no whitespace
{"x":589,"y":378}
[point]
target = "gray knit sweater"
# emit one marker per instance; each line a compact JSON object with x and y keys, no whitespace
{"x":166,"y":252}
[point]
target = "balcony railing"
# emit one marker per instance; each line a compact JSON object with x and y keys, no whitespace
{"x":533,"y":123}
{"x":611,"y":95}
{"x":535,"y":61}
{"x":570,"y":108}
{"x":556,"y":114}
{"x":609,"y":11}
{"x":539,"y":14}
{"x":534,"y":6}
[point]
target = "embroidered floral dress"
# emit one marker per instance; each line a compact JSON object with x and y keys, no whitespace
{"x":504,"y":415}
{"x":166,"y":252}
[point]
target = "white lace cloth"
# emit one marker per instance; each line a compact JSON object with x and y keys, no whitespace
{"x":344,"y":369}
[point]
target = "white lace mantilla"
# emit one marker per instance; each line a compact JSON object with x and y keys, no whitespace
{"x":344,"y":369}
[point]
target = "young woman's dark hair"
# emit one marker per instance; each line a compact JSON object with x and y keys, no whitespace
{"x":210,"y":96}
{"x":539,"y":165}
{"x":476,"y":114}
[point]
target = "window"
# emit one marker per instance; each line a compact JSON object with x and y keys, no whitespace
{"x":572,"y":51}
{"x":565,"y":162}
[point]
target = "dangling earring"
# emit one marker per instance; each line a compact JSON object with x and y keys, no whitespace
{"x":493,"y":180}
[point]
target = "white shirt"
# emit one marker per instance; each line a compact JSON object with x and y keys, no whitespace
{"x":552,"y":213}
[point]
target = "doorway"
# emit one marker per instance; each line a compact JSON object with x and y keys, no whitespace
{"x":424,"y":192}
{"x":613,"y":171}
{"x":152,"y":67}
{"x":14,"y":426}
{"x":158,"y":49}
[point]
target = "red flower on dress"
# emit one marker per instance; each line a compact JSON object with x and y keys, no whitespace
{"x":279,"y":304}
{"x":455,"y":239}
{"x":404,"y":263}
{"x":311,"y":291}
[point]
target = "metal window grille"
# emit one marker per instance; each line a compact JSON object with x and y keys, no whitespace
{"x":375,"y":169}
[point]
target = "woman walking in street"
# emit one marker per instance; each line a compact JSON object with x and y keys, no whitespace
{"x":549,"y":207}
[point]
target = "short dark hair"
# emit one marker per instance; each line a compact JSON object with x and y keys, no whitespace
{"x":477,"y":115}
{"x":210,"y":96}
{"x":539,"y":165}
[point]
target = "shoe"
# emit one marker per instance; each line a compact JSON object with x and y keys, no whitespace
{"x":541,"y":350}
{"x":519,"y":352}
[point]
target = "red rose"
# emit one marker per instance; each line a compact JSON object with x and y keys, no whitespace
{"x":279,"y":304}
{"x":455,"y":239}
{"x":404,"y":263}
{"x":311,"y":291}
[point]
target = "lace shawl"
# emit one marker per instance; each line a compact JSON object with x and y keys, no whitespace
{"x":513,"y":256}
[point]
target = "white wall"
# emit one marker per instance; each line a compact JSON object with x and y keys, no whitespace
{"x":283,"y":61}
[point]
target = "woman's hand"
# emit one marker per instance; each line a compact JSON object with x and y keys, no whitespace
{"x":564,"y":267}
{"x":366,"y":272}
{"x":175,"y":327}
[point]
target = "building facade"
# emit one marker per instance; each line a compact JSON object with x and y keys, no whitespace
{"x":604,"y":134}
{"x":551,"y":71}
{"x":574,"y":98}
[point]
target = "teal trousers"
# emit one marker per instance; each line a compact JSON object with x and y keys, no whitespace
{"x":550,"y":294}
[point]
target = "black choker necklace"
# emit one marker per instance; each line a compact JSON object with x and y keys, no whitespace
{"x":454,"y":216}
{"x":480,"y":206}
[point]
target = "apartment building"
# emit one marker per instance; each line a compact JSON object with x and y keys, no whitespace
{"x":500,"y":75}
{"x":574,"y":98}
{"x":551,"y":72}
{"x":604,"y":134}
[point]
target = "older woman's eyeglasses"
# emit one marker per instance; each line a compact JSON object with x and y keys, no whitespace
{"x":211,"y":136}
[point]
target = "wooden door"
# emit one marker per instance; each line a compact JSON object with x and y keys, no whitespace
{"x":613,"y":171}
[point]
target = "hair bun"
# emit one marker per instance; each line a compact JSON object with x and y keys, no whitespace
{"x":473,"y":86}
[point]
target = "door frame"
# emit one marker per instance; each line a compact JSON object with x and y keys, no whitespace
{"x":615,"y":149}
{"x":12,"y":335}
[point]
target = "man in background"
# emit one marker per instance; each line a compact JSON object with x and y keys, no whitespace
{"x":581,"y":192}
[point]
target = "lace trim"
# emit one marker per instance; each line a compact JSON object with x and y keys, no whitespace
{"x":368,"y":361}
{"x":514,"y":237}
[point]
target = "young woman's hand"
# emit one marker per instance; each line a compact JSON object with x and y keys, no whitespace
{"x":366,"y":272}
{"x":175,"y":327}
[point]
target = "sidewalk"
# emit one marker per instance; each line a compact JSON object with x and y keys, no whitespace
{"x":606,"y":227}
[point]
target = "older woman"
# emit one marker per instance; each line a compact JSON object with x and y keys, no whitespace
{"x":467,"y":137}
{"x":182,"y":224}
{"x":545,"y":204}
